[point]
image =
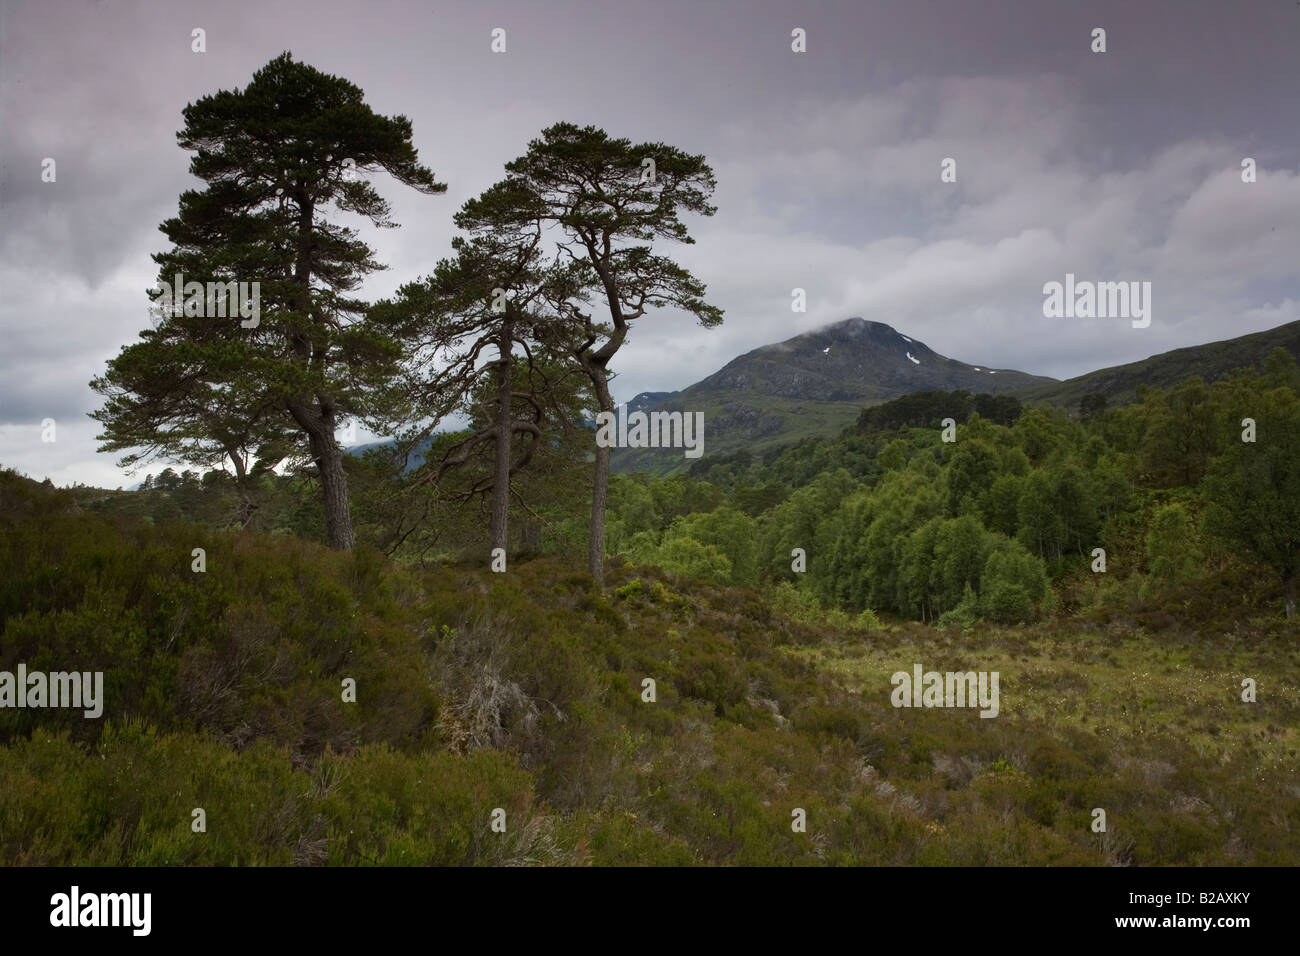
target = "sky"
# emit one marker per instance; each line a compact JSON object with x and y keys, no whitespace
{"x":1122,"y":165}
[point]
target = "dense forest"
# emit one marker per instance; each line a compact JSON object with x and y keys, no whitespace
{"x":990,"y":523}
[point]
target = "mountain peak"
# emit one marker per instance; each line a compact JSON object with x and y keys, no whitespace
{"x":855,"y":324}
{"x":859,"y":326}
{"x":817,"y":381}
{"x":863,"y":335}
{"x":853,"y":360}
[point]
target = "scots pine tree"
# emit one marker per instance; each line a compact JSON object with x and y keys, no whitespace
{"x":606,"y":202}
{"x":485,"y":300}
{"x":277,"y":158}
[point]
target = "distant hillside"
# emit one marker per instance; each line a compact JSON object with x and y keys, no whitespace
{"x":417,"y":455}
{"x":812,"y":385}
{"x":646,"y":400}
{"x":1119,"y":383}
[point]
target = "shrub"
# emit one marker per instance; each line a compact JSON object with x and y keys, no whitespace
{"x":689,"y":557}
{"x":867,"y":621}
{"x":1172,"y":552}
{"x":1013,"y":586}
{"x":633,"y":588}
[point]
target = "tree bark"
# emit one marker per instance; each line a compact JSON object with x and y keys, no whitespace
{"x":504,"y":433}
{"x":334,"y":487}
{"x":600,"y":487}
{"x":316,"y":416}
{"x":246,"y":505}
{"x":328,"y":456}
{"x":596,"y":365}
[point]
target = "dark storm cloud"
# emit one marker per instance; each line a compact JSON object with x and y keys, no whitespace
{"x":1122,"y":164}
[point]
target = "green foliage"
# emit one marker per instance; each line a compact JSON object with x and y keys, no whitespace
{"x":200,"y":387}
{"x":1014,"y":585}
{"x":1092,"y":405}
{"x":687,"y":556}
{"x":1281,"y":370}
{"x":971,"y":468}
{"x":1035,"y":435}
{"x":1180,"y":436}
{"x":999,"y":505}
{"x":633,"y":588}
{"x":804,"y":520}
{"x":727,"y":531}
{"x":523,"y":692}
{"x":1172,"y":553}
{"x":861,"y":529}
{"x":1254,"y":489}
{"x":894,"y":455}
{"x":130,"y":803}
{"x":928,"y":409}
{"x":795,"y":603}
{"x":867,"y":621}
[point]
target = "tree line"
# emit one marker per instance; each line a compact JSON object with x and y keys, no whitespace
{"x":890,"y":517}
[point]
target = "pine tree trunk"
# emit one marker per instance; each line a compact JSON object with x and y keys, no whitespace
{"x":246,"y":505}
{"x":334,"y":487}
{"x":504,"y":434}
{"x":316,"y":417}
{"x":328,"y":456}
{"x":600,"y":487}
{"x":596,"y":538}
{"x":246,"y":508}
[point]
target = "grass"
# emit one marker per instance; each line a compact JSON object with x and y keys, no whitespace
{"x":1127,"y":691}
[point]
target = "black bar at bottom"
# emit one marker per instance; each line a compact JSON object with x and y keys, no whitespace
{"x":333,"y":906}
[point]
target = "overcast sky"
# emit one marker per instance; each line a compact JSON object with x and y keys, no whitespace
{"x":1123,"y":165}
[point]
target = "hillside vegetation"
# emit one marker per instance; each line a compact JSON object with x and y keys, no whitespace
{"x":1208,"y":362}
{"x":523,"y":691}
